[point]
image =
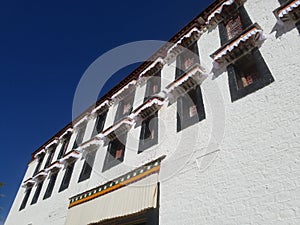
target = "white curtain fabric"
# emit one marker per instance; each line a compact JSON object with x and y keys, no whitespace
{"x":124,"y":201}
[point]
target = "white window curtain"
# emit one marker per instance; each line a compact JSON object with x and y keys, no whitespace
{"x":124,"y":201}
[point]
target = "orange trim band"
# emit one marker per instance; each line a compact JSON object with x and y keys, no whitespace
{"x":116,"y":186}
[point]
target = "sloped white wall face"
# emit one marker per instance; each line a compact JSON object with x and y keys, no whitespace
{"x":253,"y":178}
{"x":239,"y":165}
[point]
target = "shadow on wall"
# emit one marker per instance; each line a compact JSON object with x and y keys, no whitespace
{"x":284,"y":27}
{"x":212,"y":28}
{"x":218,"y":71}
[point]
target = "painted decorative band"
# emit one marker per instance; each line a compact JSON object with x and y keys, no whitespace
{"x":120,"y":182}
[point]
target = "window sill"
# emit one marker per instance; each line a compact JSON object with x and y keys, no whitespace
{"x":223,"y":10}
{"x":54,"y":166}
{"x":70,"y":157}
{"x":68,"y":132}
{"x":124,"y":91}
{"x":148,"y":108}
{"x":288,"y":11}
{"x":40,"y":175}
{"x":28,"y":183}
{"x":192,"y":36}
{"x":238,"y":46}
{"x":116,"y":130}
{"x":101,"y":108}
{"x":90,"y":145}
{"x":153,"y":69}
{"x":194,"y":76}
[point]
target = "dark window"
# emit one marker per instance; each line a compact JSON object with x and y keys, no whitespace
{"x":190,"y":108}
{"x":64,"y":146}
{"x":116,"y":148}
{"x":248,"y":74}
{"x":100,"y":121}
{"x":50,"y":156}
{"x":187,"y":59}
{"x":37,"y":193}
{"x":223,"y":33}
{"x":125,"y":107}
{"x":298,"y":26}
{"x":25,"y":199}
{"x":246,"y":71}
{"x":149,"y":133}
{"x":115,"y":152}
{"x":38,"y":166}
{"x":67,"y":177}
{"x":153,"y":85}
{"x":149,"y":127}
{"x":50,"y":186}
{"x":234,"y":25}
{"x":87,"y":166}
{"x":80,"y":135}
{"x":282,"y":1}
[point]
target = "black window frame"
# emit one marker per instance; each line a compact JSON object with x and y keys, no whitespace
{"x":25,"y":199}
{"x":297,"y":24}
{"x":87,"y":166}
{"x":67,"y":177}
{"x":51,"y":153}
{"x":154,"y":80}
{"x":191,"y":98}
{"x":51,"y":185}
{"x":150,"y":124}
{"x":40,"y":161}
{"x":149,"y":127}
{"x":80,"y":135}
{"x":245,"y":22}
{"x":64,"y":146}
{"x":118,"y":144}
{"x":129,"y":99}
{"x":264,"y":77}
{"x":191,"y":49}
{"x":281,"y":2}
{"x":100,"y":122}
{"x":263,"y":74}
{"x":37,"y":193}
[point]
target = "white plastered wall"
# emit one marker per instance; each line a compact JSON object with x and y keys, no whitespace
{"x":252,"y":177}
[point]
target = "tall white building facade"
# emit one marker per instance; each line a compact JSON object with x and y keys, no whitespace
{"x":205,"y":132}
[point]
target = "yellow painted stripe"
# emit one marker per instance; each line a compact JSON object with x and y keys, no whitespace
{"x":115,"y":187}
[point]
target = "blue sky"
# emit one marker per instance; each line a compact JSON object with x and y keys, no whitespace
{"x":45,"y":47}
